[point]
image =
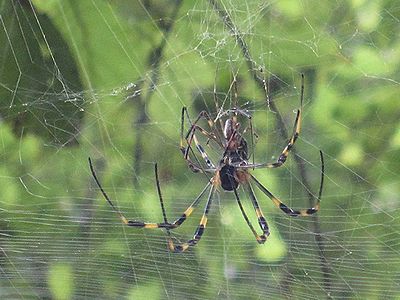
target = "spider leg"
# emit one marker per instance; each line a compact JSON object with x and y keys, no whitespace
{"x":296,"y":132}
{"x":141,"y":224}
{"x":195,"y":167}
{"x":183,"y":217}
{"x":203,"y":153}
{"x":191,"y":136}
{"x":209,"y":135}
{"x":263,"y":223}
{"x":260,"y":216}
{"x":193,"y":126}
{"x":199,"y":231}
{"x":287,"y":210}
{"x":190,"y":209}
{"x":116,"y":210}
{"x":185,"y":150}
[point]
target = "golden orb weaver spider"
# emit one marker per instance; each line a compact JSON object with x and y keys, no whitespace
{"x":231,"y":171}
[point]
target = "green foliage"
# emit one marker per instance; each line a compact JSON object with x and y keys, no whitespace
{"x":60,"y":280}
{"x":82,"y":79}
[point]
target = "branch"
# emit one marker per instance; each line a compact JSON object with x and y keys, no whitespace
{"x":251,"y":64}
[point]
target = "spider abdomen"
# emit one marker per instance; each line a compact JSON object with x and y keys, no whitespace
{"x":227,"y":178}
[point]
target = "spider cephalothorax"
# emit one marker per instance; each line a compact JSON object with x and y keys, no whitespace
{"x":235,"y":144}
{"x":231,"y":172}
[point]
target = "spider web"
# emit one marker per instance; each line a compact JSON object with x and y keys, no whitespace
{"x":108,"y":79}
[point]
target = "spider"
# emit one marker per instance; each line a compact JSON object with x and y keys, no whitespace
{"x":231,"y":171}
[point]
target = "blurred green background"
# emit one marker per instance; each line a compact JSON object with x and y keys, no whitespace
{"x":108,"y":79}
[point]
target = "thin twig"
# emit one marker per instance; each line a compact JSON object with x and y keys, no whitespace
{"x":252,"y":66}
